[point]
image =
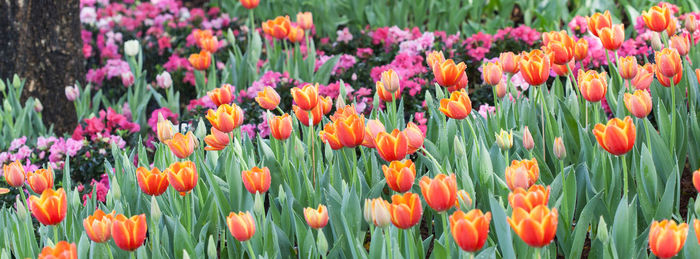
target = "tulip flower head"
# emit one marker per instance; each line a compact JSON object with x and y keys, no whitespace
{"x":668,"y":62}
{"x":493,"y":73}
{"x":305,"y":20}
{"x":222,"y":95}
{"x":691,"y":23}
{"x":372,"y":129}
{"x":152,"y":182}
{"x":98,"y":226}
{"x":580,"y":49}
{"x":657,"y":18}
{"x":434,"y":57}
{"x":559,"y":148}
{"x":639,"y":103}
{"x":14,"y":174}
{"x":458,"y":106}
{"x":593,"y":85}
{"x":329,"y":135}
{"x":696,"y":180}
{"x":447,"y":73}
{"x":316,"y":218}
{"x":406,"y":210}
{"x":377,"y":212}
{"x":281,"y":126}
{"x":226,"y":118}
{"x":528,"y":142}
{"x":385,"y":95}
{"x":303,"y":116}
{"x":40,"y":180}
{"x":440,"y":192}
{"x":559,"y":46}
{"x":599,"y":21}
{"x":296,"y":34}
{"x":268,"y":98}
{"x":612,"y":37}
{"x":504,"y":139}
{"x":628,"y":67}
{"x":391,"y":80}
{"x":522,"y":174}
{"x":182,"y":176}
{"x":666,"y":238}
{"x":681,"y":43}
{"x":200,"y":61}
{"x":129,"y":233}
{"x":392,"y":146}
{"x":534,"y":67}
{"x":241,"y":225}
{"x":62,"y":249}
{"x":277,"y":28}
{"x":217,"y":140}
{"x":528,"y":199}
{"x":49,"y":208}
{"x":470,"y":230}
{"x":165,"y":129}
{"x":617,"y":136}
{"x":250,"y":4}
{"x":182,"y":145}
{"x":350,"y":130}
{"x":256,"y":179}
{"x":306,"y":97}
{"x":400,"y":175}
{"x":537,"y":227}
{"x":509,"y":62}
{"x":644,"y":77}
{"x":415,"y":137}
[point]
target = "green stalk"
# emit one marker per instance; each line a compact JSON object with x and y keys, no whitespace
{"x":387,"y":237}
{"x":433,"y":159}
{"x":624,"y":171}
{"x":109,"y":250}
{"x":311,"y":146}
{"x":544,"y":149}
{"x":446,"y":232}
{"x":673,"y":114}
{"x":55,"y":233}
{"x":250,"y":249}
{"x":132,"y":255}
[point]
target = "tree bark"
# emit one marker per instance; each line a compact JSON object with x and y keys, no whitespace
{"x":40,"y":41}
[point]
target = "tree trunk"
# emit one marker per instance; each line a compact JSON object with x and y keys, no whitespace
{"x":40,"y":41}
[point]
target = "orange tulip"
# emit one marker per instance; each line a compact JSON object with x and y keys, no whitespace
{"x":617,"y":137}
{"x":278,"y":28}
{"x":599,"y":21}
{"x":458,"y":106}
{"x":671,"y":29}
{"x":221,"y":95}
{"x":434,"y":57}
{"x":182,"y":176}
{"x":681,"y":43}
{"x":696,"y":226}
{"x":303,"y":116}
{"x":447,"y":73}
{"x":305,"y":20}
{"x":281,"y":126}
{"x":50,"y":208}
{"x":537,"y":227}
{"x":226,"y":118}
{"x":492,"y":73}
{"x":668,"y":62}
{"x":593,"y":85}
{"x":200,"y":61}
{"x":461,"y":83}
{"x":153,"y":182}
{"x":441,"y":192}
{"x":400,"y":175}
{"x":666,"y":238}
{"x":182,"y":145}
{"x":509,"y":62}
{"x":530,"y":198}
{"x":210,"y":44}
{"x":296,"y":34}
{"x":406,"y":210}
{"x":98,"y":226}
{"x":326,"y":104}
{"x":129,"y":233}
{"x":377,"y":211}
{"x":696,"y":180}
{"x":628,"y":67}
{"x":612,"y":37}
{"x":350,"y":130}
{"x":164,"y":129}
{"x":329,"y":135}
{"x":534,"y":67}
{"x":392,"y":147}
{"x":217,"y":140}
{"x":415,"y":137}
{"x":306,"y":97}
{"x":62,"y":250}
{"x":470,"y":230}
{"x":250,"y":4}
{"x":372,"y":129}
{"x":202,"y":34}
{"x":644,"y":77}
{"x":580,"y":49}
{"x":14,"y":174}
{"x":559,"y":46}
{"x":385,"y":95}
{"x":241,"y":225}
{"x":562,"y":70}
{"x":390,"y":80}
{"x":697,"y":74}
{"x":691,"y":25}
{"x":666,"y":81}
{"x":316,"y":218}
{"x":463,"y":196}
{"x":268,"y":98}
{"x":639,"y":103}
{"x":657,"y":18}
{"x":256,"y":179}
{"x":40,"y":180}
{"x":522,"y":174}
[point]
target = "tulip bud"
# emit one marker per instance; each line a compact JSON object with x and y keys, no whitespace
{"x":528,"y":142}
{"x":322,"y":243}
{"x":339,"y":102}
{"x":559,"y":149}
{"x":72,"y":92}
{"x":656,"y":42}
{"x":390,"y":79}
{"x":458,"y":147}
{"x":6,"y":106}
{"x":127,"y":79}
{"x":258,"y":206}
{"x":504,"y":140}
{"x":501,"y":89}
{"x":691,"y":23}
{"x":22,"y":211}
{"x":156,"y":214}
{"x":185,"y":255}
{"x":131,"y":47}
{"x":164,"y":80}
{"x":211,"y":247}
{"x":2,"y":86}
{"x":16,"y":82}
{"x":37,"y":106}
{"x":602,"y":230}
{"x":115,"y":190}
{"x":382,"y":217}
{"x":282,"y":195}
{"x":367,"y":211}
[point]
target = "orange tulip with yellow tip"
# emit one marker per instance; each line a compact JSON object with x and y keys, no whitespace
{"x":390,"y":80}
{"x":62,"y":250}
{"x":666,"y":238}
{"x":522,"y":174}
{"x":350,"y":130}
{"x":537,"y":227}
{"x":210,"y":44}
{"x":534,"y":67}
{"x":303,"y":116}
{"x":434,"y":57}
{"x":385,"y":95}
{"x":305,"y":20}
{"x":447,"y":73}
{"x":306,"y":97}
{"x":281,"y":126}
{"x":226,"y":118}
{"x":463,"y":196}
{"x":165,"y":129}
{"x":40,"y":180}
{"x":440,"y":192}
{"x":329,"y":135}
{"x":415,"y":137}
{"x":559,"y":45}
{"x":681,"y":43}
{"x":657,"y":18}
{"x":668,"y":62}
{"x":493,"y":73}
{"x":470,"y":230}
{"x":617,"y":137}
{"x":250,"y":4}
{"x":200,"y":61}
{"x":509,"y":62}
{"x":458,"y":106}
{"x":277,"y":28}
{"x":461,"y":83}
{"x":152,"y":182}
{"x":530,"y":198}
{"x":217,"y":140}
{"x":644,"y":77}
{"x":580,"y":49}
{"x":241,"y":225}
{"x":14,"y":174}
{"x":50,"y":208}
{"x":392,"y":146}
{"x":666,"y":81}
{"x":129,"y":233}
{"x":182,"y":176}
{"x":406,"y":210}
{"x":612,"y":37}
{"x":372,"y":129}
{"x":98,"y":226}
{"x":296,"y":34}
{"x":400,"y":175}
{"x":268,"y":98}
{"x":316,"y":218}
{"x":593,"y":85}
{"x":628,"y":67}
{"x":221,"y":95}
{"x":562,"y":70}
{"x":599,"y":21}
{"x":182,"y":145}
{"x":256,"y":180}
{"x":639,"y":103}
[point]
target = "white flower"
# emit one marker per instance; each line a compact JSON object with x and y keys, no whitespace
{"x":131,"y":47}
{"x":164,"y":80}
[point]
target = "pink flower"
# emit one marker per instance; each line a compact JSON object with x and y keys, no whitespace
{"x":344,"y":35}
{"x":579,"y":24}
{"x":167,"y":114}
{"x":18,"y":142}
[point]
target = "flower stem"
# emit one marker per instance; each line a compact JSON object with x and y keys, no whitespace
{"x":673,"y":114}
{"x":544,"y":149}
{"x":446,"y":232}
{"x":624,"y":171}
{"x":251,"y":253}
{"x":311,"y":146}
{"x":387,"y":237}
{"x":55,"y":233}
{"x":109,"y":250}
{"x":433,"y":159}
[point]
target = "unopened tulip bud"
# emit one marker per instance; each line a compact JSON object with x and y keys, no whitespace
{"x":602,"y":230}
{"x":390,"y":79}
{"x":72,"y":92}
{"x":504,"y":139}
{"x":156,"y":214}
{"x":21,"y":210}
{"x":6,"y":106}
{"x":131,"y":48}
{"x":367,"y":211}
{"x":656,"y":42}
{"x":16,"y":82}
{"x":127,"y":79}
{"x":164,"y":80}
{"x":37,"y":106}
{"x":211,"y":247}
{"x":691,"y":23}
{"x":339,"y":102}
{"x":559,"y":148}
{"x":528,"y":142}
{"x":2,"y":86}
{"x":322,"y":243}
{"x":282,"y":195}
{"x":458,"y":147}
{"x":501,"y":89}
